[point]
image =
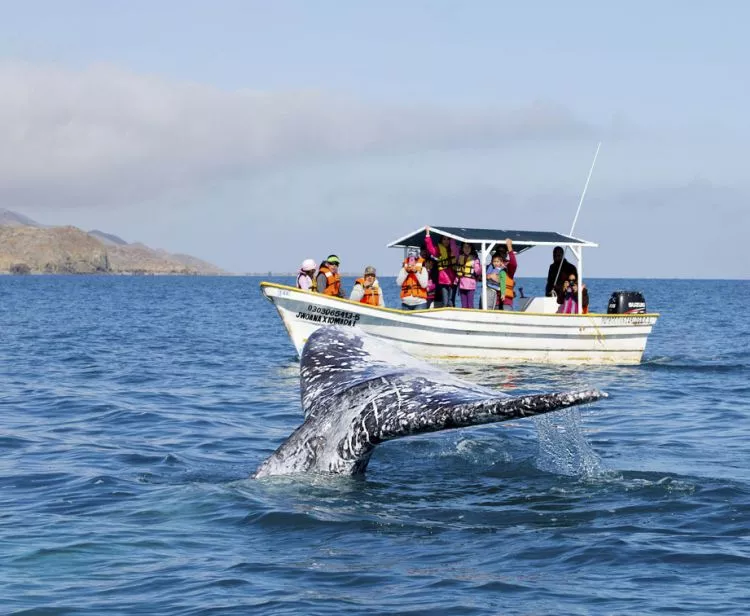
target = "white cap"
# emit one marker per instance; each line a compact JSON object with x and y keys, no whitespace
{"x":308,"y":265}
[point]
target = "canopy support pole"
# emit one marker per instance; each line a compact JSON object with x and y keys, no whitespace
{"x":484,"y":276}
{"x":578,"y":252}
{"x":486,"y":250}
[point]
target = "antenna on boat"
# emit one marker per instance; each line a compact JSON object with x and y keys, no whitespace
{"x":579,"y":253}
{"x":573,"y":226}
{"x":585,"y":188}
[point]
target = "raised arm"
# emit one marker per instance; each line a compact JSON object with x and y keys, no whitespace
{"x":512,"y":263}
{"x":429,"y":244}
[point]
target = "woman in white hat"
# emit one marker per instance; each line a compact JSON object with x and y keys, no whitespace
{"x":306,"y":275}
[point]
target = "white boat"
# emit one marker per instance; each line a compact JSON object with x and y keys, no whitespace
{"x":535,"y":332}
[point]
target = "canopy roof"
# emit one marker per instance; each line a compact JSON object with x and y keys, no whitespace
{"x":522,"y":240}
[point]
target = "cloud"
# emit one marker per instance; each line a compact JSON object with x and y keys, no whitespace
{"x":104,"y":136}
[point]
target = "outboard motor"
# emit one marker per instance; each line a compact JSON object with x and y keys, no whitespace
{"x":626,"y":302}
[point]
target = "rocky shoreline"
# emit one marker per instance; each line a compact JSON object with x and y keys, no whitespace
{"x":27,"y":247}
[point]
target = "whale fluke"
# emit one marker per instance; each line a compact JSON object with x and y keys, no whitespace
{"x":359,"y":391}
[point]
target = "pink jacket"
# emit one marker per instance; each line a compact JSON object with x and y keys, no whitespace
{"x":569,"y":306}
{"x":445,"y":276}
{"x":430,"y":288}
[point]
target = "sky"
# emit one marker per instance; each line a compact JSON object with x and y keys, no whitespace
{"x":257,"y":134}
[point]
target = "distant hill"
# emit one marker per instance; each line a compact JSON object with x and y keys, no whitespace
{"x":29,"y":247}
{"x":13,"y":219}
{"x":57,"y":250}
{"x":193,"y":262}
{"x":107,"y":238}
{"x":139,"y":258}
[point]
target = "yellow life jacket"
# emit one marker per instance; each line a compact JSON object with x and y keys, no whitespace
{"x":446,"y":260}
{"x":465,"y":266}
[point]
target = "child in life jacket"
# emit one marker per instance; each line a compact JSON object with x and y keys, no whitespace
{"x":445,"y":255}
{"x":496,"y":276}
{"x":468,"y":269}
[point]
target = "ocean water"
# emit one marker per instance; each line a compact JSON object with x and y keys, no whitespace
{"x":133,"y":410}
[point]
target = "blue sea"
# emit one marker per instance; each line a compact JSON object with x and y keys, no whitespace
{"x":134,"y":409}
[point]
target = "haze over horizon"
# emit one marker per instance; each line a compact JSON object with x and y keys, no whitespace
{"x":256,"y":134}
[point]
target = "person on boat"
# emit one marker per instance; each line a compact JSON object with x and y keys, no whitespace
{"x":468,"y":269}
{"x":367,"y":289}
{"x":432,"y":280}
{"x":306,"y":275}
{"x":508,"y":258}
{"x":446,"y":253}
{"x":328,"y":281}
{"x":413,"y":280}
{"x":430,"y":264}
{"x":496,"y":276}
{"x":568,"y":298}
{"x":559,"y":271}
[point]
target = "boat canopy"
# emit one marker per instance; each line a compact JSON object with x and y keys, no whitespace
{"x":522,"y":240}
{"x":487,"y":239}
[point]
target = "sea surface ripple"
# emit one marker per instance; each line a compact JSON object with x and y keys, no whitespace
{"x":134,"y":409}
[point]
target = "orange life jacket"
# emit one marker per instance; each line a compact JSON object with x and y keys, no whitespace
{"x":372,"y":293}
{"x":509,"y":284}
{"x":411,"y":286}
{"x":333,"y":281}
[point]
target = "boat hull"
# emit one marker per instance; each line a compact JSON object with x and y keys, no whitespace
{"x":471,"y":335}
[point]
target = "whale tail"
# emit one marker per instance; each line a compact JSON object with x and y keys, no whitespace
{"x":461,"y":413}
{"x":358,"y":391}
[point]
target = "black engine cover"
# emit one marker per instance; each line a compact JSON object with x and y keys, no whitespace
{"x":626,"y":302}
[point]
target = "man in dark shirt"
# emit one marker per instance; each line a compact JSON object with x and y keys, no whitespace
{"x":560,"y":270}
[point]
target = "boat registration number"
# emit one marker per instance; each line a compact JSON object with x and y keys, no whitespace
{"x":628,"y":320}
{"x":328,"y":316}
